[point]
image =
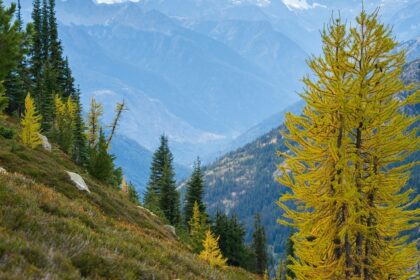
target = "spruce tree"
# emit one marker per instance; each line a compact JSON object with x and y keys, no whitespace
{"x":17,"y":82}
{"x":36,"y":52}
{"x":30,"y":125}
{"x":352,"y":212}
{"x":259,"y":245}
{"x":232,"y":239}
{"x":80,"y":149}
{"x":152,"y":195}
{"x":169,"y":197}
{"x":10,"y":38}
{"x":195,"y":189}
{"x":211,"y":252}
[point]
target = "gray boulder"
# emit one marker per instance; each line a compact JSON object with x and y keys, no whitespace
{"x":78,"y":181}
{"x":171,"y":229}
{"x":45,"y":143}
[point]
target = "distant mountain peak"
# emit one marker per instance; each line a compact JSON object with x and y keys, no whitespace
{"x":301,"y":5}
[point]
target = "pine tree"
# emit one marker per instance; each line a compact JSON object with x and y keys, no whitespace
{"x":211,"y":252}
{"x":194,"y":193}
{"x":259,"y":246}
{"x":17,"y":82}
{"x":36,"y":52}
{"x":198,"y":227}
{"x":153,"y":191}
{"x":352,"y":210}
{"x":169,"y":197}
{"x":232,"y":239}
{"x":10,"y":38}
{"x":56,"y":51}
{"x":80,"y":149}
{"x":31,"y":126}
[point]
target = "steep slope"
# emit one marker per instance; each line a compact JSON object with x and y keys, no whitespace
{"x":243,"y":182}
{"x":50,"y":229}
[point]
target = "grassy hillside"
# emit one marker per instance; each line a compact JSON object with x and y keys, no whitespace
{"x":51,"y":230}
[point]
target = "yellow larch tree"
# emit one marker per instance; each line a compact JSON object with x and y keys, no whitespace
{"x":64,"y":123}
{"x":31,"y":124}
{"x":350,"y":209}
{"x":211,"y":252}
{"x":197,"y":228}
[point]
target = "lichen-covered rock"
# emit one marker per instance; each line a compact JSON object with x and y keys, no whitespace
{"x":45,"y":143}
{"x":78,"y":181}
{"x":171,"y":229}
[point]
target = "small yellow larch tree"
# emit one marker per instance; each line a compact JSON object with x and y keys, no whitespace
{"x":31,"y":125}
{"x":197,"y":228}
{"x":211,"y":252}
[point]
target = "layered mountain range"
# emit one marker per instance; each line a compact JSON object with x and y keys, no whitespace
{"x":203,"y":72}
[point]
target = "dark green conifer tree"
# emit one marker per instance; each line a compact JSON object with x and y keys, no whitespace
{"x":195,"y":189}
{"x":10,"y":40}
{"x":169,"y":197}
{"x":101,"y":164}
{"x":259,"y":245}
{"x":17,"y":82}
{"x":36,"y":53}
{"x":232,"y":239}
{"x":152,"y":195}
{"x":80,"y":149}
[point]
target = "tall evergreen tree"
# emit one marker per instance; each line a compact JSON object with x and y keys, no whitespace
{"x":10,"y":38}
{"x":17,"y":82}
{"x":152,"y":195}
{"x":195,"y":189}
{"x":56,"y":52}
{"x":232,"y":239}
{"x":80,"y":149}
{"x":352,"y":210}
{"x":259,"y":245}
{"x":169,"y":197}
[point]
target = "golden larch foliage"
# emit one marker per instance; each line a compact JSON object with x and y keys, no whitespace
{"x":31,"y":125}
{"x":211,"y":252}
{"x":197,"y":228}
{"x":351,"y":211}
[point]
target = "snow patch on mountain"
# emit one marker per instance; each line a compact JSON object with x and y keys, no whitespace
{"x":301,"y":5}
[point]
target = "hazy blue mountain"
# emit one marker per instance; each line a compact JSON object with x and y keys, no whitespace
{"x":201,"y":71}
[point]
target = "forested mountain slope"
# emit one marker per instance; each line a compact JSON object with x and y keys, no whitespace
{"x":243,"y":182}
{"x":51,"y":230}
